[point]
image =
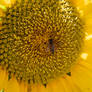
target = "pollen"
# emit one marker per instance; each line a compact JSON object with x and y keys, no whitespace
{"x":40,"y":39}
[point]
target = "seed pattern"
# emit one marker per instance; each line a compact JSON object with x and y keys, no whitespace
{"x":40,"y":39}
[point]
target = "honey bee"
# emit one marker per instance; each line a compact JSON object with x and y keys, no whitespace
{"x":51,"y":45}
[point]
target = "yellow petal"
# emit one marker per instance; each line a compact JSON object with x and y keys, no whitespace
{"x":56,"y":86}
{"x":3,"y":79}
{"x":22,"y":87}
{"x":82,"y":77}
{"x":12,"y":86}
{"x":73,"y":86}
{"x":7,"y":3}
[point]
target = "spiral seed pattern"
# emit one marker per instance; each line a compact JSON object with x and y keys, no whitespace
{"x":40,"y":39}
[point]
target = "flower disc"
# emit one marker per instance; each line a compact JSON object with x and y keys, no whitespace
{"x":40,"y":39}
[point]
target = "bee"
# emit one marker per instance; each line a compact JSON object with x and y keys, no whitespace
{"x":51,"y":45}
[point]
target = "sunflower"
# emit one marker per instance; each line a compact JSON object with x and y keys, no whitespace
{"x":45,"y":46}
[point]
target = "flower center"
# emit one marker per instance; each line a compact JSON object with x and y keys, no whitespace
{"x":40,"y":40}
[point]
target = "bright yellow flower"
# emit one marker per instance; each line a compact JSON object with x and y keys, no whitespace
{"x":77,"y":79}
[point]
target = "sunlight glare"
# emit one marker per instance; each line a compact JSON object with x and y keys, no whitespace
{"x":88,"y":37}
{"x":84,"y":56}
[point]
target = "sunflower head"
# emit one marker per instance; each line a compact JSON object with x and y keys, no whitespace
{"x":40,"y":40}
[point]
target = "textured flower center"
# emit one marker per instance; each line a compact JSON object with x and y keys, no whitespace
{"x":40,"y":39}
